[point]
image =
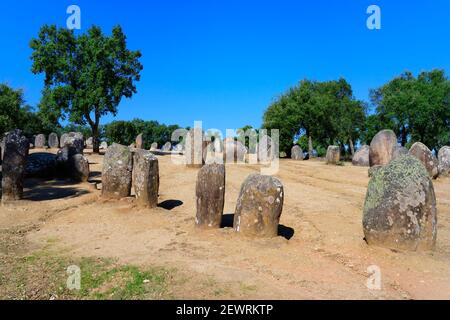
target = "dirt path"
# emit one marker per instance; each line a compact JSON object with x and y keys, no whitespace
{"x":319,"y":254}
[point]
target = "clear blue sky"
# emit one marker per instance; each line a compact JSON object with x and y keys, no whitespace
{"x":224,"y":61}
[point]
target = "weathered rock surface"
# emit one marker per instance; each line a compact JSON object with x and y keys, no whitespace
{"x":400,"y":207}
{"x":62,"y":140}
{"x":16,"y":147}
{"x":259,"y":206}
{"x":382,"y":148}
{"x":53,"y":141}
{"x":210,"y":193}
{"x":74,"y":140}
{"x":145,"y":178}
{"x":424,"y":155}
{"x":399,"y":151}
{"x":79,"y":168}
{"x":41,"y":165}
{"x":103,"y":145}
{"x":39,"y":141}
{"x":297,"y":153}
{"x":444,"y":161}
{"x":140,"y":141}
{"x":361,"y":157}
{"x":90,"y":143}
{"x":333,"y":155}
{"x":117,"y":172}
{"x":268,"y":149}
{"x":194,"y":148}
{"x":233,"y":151}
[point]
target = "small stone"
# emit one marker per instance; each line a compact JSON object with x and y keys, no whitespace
{"x":361,"y":157}
{"x":333,"y":155}
{"x":194,"y":148}
{"x":140,"y":141}
{"x":297,"y":153}
{"x":39,"y":141}
{"x":79,"y":168}
{"x":145,"y":178}
{"x":444,"y":161}
{"x":154,"y":146}
{"x":53,"y":141}
{"x":167,"y":147}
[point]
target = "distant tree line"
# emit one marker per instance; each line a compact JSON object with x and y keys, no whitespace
{"x":315,"y":114}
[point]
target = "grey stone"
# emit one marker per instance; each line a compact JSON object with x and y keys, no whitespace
{"x":41,"y":165}
{"x":382,"y":148}
{"x":259,"y":206}
{"x":145,"y":178}
{"x":103,"y":145}
{"x":361,"y":157}
{"x":268,"y":150}
{"x":444,"y":161}
{"x":154,"y":146}
{"x":400,"y":207}
{"x":233,"y":151}
{"x":117,"y":172}
{"x":333,"y":155}
{"x":79,"y":168}
{"x":297,"y":153}
{"x":74,"y":140}
{"x":16,"y":147}
{"x":90,"y":143}
{"x":210,"y":195}
{"x":194,"y":148}
{"x":53,"y":141}
{"x":399,"y":151}
{"x":140,"y":141}
{"x":62,"y":140}
{"x":39,"y":141}
{"x":424,"y":155}
{"x":167,"y":147}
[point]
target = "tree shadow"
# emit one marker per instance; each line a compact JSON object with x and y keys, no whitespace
{"x":170,"y":204}
{"x":43,"y":190}
{"x":283,"y":231}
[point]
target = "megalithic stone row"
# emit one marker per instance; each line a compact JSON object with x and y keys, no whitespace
{"x":382,"y":148}
{"x":333,"y":155}
{"x":117,"y":172}
{"x":145,"y":178}
{"x":259,"y":206}
{"x":210,"y":195}
{"x":53,"y":141}
{"x":39,"y":141}
{"x":400,"y":207}
{"x":195,"y":145}
{"x":444,"y":161}
{"x":424,"y":155}
{"x":16,"y":148}
{"x":297,"y":153}
{"x":140,"y":141}
{"x":361,"y":157}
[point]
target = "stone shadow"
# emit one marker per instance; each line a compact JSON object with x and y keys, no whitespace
{"x":42,"y":190}
{"x":170,"y":204}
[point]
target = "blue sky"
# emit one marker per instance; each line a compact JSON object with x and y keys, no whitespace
{"x":224,"y":61}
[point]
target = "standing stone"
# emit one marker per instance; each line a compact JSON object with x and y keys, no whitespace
{"x":140,"y":141}
{"x":62,"y":140}
{"x":233,"y":151}
{"x":400,"y":207}
{"x":444,"y":161}
{"x":259,"y":206}
{"x":429,"y":161}
{"x":297,"y":153}
{"x":382,"y":148}
{"x":79,"y":168}
{"x":75,"y":140}
{"x":154,"y":146}
{"x":399,"y":151}
{"x":361,"y":157}
{"x":267,"y":149}
{"x":14,"y":164}
{"x":145,"y":178}
{"x":53,"y":141}
{"x":210,"y":193}
{"x":194,"y":148}
{"x":104,"y":145}
{"x":167,"y":147}
{"x":39,"y":142}
{"x":117,"y":172}
{"x":333,"y":155}
{"x":90,"y":143}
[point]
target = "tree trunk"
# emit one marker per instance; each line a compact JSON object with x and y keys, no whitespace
{"x":310,"y":146}
{"x":404,"y":136}
{"x":95,"y":140}
{"x":352,"y":147}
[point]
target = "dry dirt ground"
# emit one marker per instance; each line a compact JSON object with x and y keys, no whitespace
{"x":319,"y":254}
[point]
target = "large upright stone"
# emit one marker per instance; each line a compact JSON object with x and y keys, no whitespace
{"x":16,"y":147}
{"x":297,"y":153}
{"x":62,"y":140}
{"x":259,"y":206}
{"x":79,"y":168}
{"x":167,"y":147}
{"x":444,"y":161}
{"x":53,"y":141}
{"x":429,"y":161}
{"x":400,"y":207}
{"x":39,"y":141}
{"x":194,"y":148}
{"x":140,"y":141}
{"x":145,"y":178}
{"x":361,"y":157}
{"x":75,"y":140}
{"x":333,"y":154}
{"x":382,"y":148}
{"x":233,"y":151}
{"x":210,"y":193}
{"x":117,"y":172}
{"x":268,"y":150}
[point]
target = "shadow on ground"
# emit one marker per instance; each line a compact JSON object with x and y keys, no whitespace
{"x":283,"y":231}
{"x":170,"y":204}
{"x":43,"y":190}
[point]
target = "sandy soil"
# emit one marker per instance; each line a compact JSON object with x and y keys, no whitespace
{"x":320,"y":253}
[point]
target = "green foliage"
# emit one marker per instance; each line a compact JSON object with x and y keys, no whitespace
{"x":86,"y":76}
{"x":125,"y":132}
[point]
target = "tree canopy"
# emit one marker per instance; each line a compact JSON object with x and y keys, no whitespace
{"x":86,"y":76}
